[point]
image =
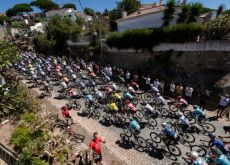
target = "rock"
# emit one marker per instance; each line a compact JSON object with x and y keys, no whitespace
{"x":5,"y":121}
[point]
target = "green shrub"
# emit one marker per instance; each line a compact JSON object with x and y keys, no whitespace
{"x":146,"y":38}
{"x":20,"y":137}
{"x":29,"y":117}
{"x":218,"y":29}
{"x":19,"y":24}
{"x":43,"y":45}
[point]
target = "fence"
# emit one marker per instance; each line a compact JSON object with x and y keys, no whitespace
{"x":8,"y":156}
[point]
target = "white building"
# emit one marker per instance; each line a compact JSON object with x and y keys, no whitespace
{"x":71,"y":13}
{"x":151,"y":16}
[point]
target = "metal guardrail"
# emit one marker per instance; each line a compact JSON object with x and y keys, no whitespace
{"x":8,"y":156}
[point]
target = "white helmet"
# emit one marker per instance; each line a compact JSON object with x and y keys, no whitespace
{"x":180,"y":114}
{"x":163,"y":124}
{"x":158,"y":94}
{"x":194,"y":154}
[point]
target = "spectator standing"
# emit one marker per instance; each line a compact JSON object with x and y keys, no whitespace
{"x":203,"y":98}
{"x":127,"y":76}
{"x":156,"y":83}
{"x":66,"y":115}
{"x":188,"y":94}
{"x":172,"y":89}
{"x":223,"y":103}
{"x":147,"y":82}
{"x":180,"y":90}
{"x":95,"y":146}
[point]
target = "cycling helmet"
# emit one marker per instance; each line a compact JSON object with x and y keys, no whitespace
{"x":158,"y":94}
{"x":180,"y":114}
{"x":194,"y":154}
{"x":211,"y":136}
{"x":195,"y":106}
{"x":179,"y":97}
{"x":163,"y":124}
{"x":131,"y":119}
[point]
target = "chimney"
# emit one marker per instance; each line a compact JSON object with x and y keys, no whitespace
{"x":124,"y":14}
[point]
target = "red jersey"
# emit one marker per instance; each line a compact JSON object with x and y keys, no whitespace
{"x":65,"y":112}
{"x":95,"y":145}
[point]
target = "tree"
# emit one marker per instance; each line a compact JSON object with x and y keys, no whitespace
{"x":60,"y":30}
{"x":19,"y":9}
{"x":184,"y":14}
{"x":69,"y":5}
{"x":226,"y":12}
{"x":89,"y":11}
{"x":219,"y":10}
{"x":44,"y":5}
{"x":195,"y":11}
{"x":3,"y":19}
{"x":129,"y":6}
{"x":169,"y":12}
{"x":114,"y":15}
{"x":43,"y":45}
{"x":106,"y":13}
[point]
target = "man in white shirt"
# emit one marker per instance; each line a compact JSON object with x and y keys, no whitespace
{"x":147,"y":81}
{"x":223,"y":103}
{"x":172,"y":89}
{"x":188,"y":94}
{"x":156,"y":83}
{"x":127,"y":76}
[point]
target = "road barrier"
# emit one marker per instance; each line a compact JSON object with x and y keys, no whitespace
{"x":8,"y":156}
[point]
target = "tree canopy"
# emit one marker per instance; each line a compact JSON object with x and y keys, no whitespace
{"x":44,"y":5}
{"x":129,"y":6}
{"x":69,"y":5}
{"x":184,"y":14}
{"x":195,"y":11}
{"x":169,"y":12}
{"x":89,"y":11}
{"x":19,"y":9}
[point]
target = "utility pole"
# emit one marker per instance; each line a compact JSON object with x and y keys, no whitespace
{"x":99,"y":28}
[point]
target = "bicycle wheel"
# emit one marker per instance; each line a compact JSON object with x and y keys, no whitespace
{"x":141,"y":142}
{"x":173,"y":108}
{"x":96,"y":114}
{"x":164,"y":112}
{"x":174,"y":150}
{"x":127,"y":132}
{"x":208,"y":127}
{"x":135,"y":101}
{"x":188,"y":137}
{"x":199,"y":150}
{"x":139,"y":96}
{"x":189,"y":115}
{"x":155,"y":137}
{"x":139,"y":114}
{"x":147,"y":96}
{"x":152,"y":122}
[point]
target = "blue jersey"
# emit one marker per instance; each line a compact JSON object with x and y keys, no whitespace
{"x":128,"y":95}
{"x":168,"y":131}
{"x":89,"y":98}
{"x":198,"y":112}
{"x":218,"y":143}
{"x":222,"y":160}
{"x":135,"y":125}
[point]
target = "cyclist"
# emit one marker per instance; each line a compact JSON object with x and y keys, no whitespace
{"x":196,"y":160}
{"x":183,"y":121}
{"x":134,"y":85}
{"x":182,"y":102}
{"x":160,"y":99}
{"x":66,"y":115}
{"x":167,"y":130}
{"x":128,"y":96}
{"x":154,"y":89}
{"x":199,"y":113}
{"x":130,"y":89}
{"x":116,"y":96}
{"x":218,"y":157}
{"x":215,"y":141}
{"x":98,"y":94}
{"x":135,"y":125}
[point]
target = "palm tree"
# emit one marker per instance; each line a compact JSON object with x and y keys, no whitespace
{"x":219,"y":10}
{"x":169,"y":12}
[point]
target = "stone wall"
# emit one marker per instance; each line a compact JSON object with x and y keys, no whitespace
{"x":207,"y":60}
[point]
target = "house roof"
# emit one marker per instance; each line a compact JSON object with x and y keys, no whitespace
{"x":144,"y":10}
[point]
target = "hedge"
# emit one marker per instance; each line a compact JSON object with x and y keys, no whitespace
{"x":146,"y":38}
